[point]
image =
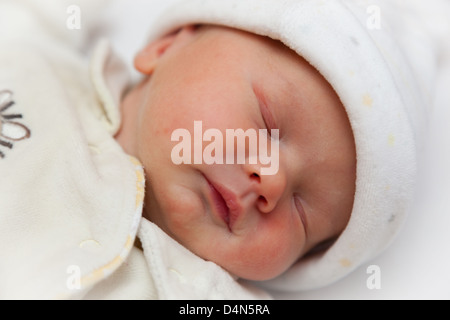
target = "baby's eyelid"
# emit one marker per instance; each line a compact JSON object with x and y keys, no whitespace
{"x":301,"y":211}
{"x":267,"y":116}
{"x":266,"y":113}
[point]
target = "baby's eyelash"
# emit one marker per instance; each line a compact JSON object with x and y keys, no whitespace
{"x":301,"y":212}
{"x":268,"y":118}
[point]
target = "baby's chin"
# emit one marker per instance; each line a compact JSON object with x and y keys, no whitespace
{"x":254,"y":274}
{"x":259,"y":270}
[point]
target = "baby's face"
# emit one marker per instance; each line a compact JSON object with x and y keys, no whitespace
{"x":255,"y":226}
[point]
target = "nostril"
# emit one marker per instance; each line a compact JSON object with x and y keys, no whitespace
{"x":255,"y":176}
{"x":262,"y":200}
{"x":263,"y":205}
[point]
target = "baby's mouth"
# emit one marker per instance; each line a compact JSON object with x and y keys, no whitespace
{"x":220,"y":205}
{"x":225,"y":203}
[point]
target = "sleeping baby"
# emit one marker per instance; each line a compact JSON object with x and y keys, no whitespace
{"x":119,"y":190}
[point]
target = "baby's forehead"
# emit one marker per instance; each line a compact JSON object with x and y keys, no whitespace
{"x":229,"y":34}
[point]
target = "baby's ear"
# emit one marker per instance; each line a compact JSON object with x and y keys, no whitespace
{"x":147,"y":58}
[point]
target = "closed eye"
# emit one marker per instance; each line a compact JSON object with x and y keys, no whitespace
{"x":301,"y":212}
{"x":269,"y":120}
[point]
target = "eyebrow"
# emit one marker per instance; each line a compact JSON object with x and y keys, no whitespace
{"x":287,"y":83}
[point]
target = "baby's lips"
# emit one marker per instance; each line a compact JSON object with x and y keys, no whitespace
{"x":232,"y":202}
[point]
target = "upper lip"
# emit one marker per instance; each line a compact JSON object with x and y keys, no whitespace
{"x":231,"y":201}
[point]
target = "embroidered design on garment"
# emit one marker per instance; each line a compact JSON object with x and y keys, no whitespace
{"x":11,"y":130}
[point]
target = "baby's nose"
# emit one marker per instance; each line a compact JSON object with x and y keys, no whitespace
{"x":269,"y":189}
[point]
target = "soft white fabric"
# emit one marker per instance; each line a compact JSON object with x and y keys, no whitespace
{"x":70,"y":198}
{"x":180,"y":274}
{"x":385,"y":78}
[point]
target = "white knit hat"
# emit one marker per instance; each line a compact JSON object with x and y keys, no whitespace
{"x":353,"y":46}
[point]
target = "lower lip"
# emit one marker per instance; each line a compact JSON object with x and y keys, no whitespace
{"x":220,"y":205}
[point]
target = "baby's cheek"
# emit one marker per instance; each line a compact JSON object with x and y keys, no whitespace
{"x":155,"y":138}
{"x":269,"y":255}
